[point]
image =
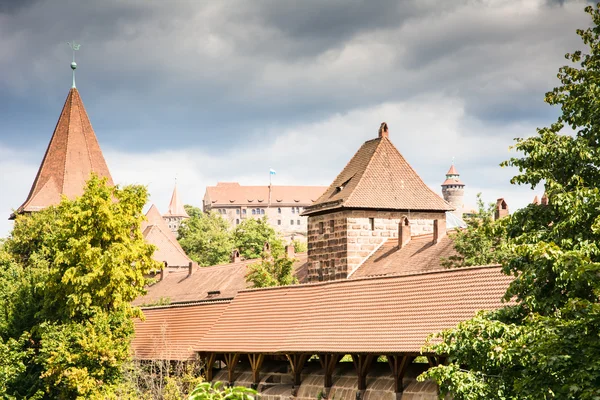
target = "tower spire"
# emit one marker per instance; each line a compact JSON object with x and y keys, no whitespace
{"x":74,"y":46}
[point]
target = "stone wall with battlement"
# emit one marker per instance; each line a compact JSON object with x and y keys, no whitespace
{"x":340,"y":241}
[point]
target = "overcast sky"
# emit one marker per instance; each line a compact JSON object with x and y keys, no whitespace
{"x":208,"y":91}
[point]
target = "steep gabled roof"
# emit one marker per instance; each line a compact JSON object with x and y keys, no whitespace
{"x":72,"y":155}
{"x":379,"y":177}
{"x":157,"y":232}
{"x":176,"y":206}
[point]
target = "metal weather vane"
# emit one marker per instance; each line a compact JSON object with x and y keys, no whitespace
{"x":74,"y":47}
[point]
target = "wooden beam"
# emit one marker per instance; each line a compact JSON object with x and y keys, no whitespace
{"x":433,"y":362}
{"x":256,"y":361}
{"x":209,"y":362}
{"x":362,"y":364}
{"x":329,"y":361}
{"x":297,"y":362}
{"x":231,"y":360}
{"x":398,"y":365}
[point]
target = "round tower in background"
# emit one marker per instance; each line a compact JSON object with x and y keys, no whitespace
{"x":453,"y":191}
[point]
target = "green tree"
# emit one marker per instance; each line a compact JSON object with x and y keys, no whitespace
{"x":80,"y":264}
{"x":482,"y":242}
{"x":217,"y":391}
{"x":250,"y":236}
{"x":206,"y":237}
{"x":300,"y":247}
{"x":272,"y":272}
{"x":547,"y":345}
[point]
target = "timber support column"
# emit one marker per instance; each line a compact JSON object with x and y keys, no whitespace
{"x":209,"y":361}
{"x":297,"y":362}
{"x":328,"y":362}
{"x":231,"y":360}
{"x":398,"y":365}
{"x":362,"y":364}
{"x":256,"y":361}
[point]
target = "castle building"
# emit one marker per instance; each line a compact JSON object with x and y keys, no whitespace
{"x":71,"y":157}
{"x":453,"y":191}
{"x":176,"y":213}
{"x":377,"y":196}
{"x":281,"y":205}
{"x":168,"y":251}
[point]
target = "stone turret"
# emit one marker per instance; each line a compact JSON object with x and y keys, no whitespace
{"x":176,"y":214}
{"x":453,"y":191}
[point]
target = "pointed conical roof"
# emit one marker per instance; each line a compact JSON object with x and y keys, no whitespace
{"x":157,"y":232}
{"x":452,"y":177}
{"x":378,"y":177}
{"x":452,"y":170}
{"x":72,"y":155}
{"x":176,"y":206}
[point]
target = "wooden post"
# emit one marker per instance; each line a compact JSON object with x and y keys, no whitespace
{"x":297,"y":362}
{"x":399,"y":364}
{"x":433,"y":362}
{"x":256,"y":361}
{"x":209,"y":362}
{"x":328,"y":362}
{"x":362,"y":364}
{"x":231,"y":360}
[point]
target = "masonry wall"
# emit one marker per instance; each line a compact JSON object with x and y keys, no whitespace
{"x":340,"y":241}
{"x":454,"y":194}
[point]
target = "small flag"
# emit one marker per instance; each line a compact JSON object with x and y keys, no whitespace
{"x":272,"y":171}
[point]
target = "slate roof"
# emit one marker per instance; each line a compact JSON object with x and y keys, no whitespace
{"x":157,"y":232}
{"x":171,"y":333}
{"x":378,"y":177}
{"x":72,"y":155}
{"x":419,"y":255}
{"x":234,"y":194}
{"x":223,"y":281}
{"x":176,"y":206}
{"x":372,"y":315}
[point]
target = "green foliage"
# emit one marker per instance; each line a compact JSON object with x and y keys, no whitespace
{"x":67,"y":279}
{"x":250,"y":236}
{"x":272,"y":272}
{"x":217,"y":391}
{"x":547,"y":345}
{"x":206,"y":237}
{"x":483,"y":242}
{"x":300,"y":247}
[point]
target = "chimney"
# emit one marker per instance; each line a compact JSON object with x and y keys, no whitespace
{"x":290,"y":251}
{"x":162,"y":271}
{"x":190,"y":268}
{"x":403,"y":233}
{"x":383,"y":130}
{"x":439,"y":230}
{"x":545,"y":199}
{"x":235,"y":256}
{"x":502,"y":208}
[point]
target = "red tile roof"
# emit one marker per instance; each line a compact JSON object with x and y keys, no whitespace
{"x":419,"y":255}
{"x":176,"y":206}
{"x":234,"y":194}
{"x":379,"y":177}
{"x":452,"y":170}
{"x":157,"y":232}
{"x":372,"y":315}
{"x":72,"y":155}
{"x":222,"y":281}
{"x":171,"y":333}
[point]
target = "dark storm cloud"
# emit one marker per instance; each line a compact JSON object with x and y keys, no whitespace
{"x":181,"y":73}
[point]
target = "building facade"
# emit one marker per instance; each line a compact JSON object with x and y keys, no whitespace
{"x":281,"y":205}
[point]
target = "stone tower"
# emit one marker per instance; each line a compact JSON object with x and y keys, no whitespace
{"x":176,"y":214}
{"x":453,"y":191}
{"x":364,"y":207}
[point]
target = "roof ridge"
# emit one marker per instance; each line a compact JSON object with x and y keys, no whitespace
{"x":376,"y":277}
{"x":364,"y":171}
{"x":70,"y":111}
{"x":85,"y":136}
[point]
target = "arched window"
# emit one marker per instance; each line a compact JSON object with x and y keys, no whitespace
{"x":279,"y":210}
{"x":253,"y":211}
{"x":262,"y":211}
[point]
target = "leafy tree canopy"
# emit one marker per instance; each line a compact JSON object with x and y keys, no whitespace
{"x":483,"y":242}
{"x":547,"y":345}
{"x":250,"y":236}
{"x":272,"y":272}
{"x":67,"y":279}
{"x":206,"y":237}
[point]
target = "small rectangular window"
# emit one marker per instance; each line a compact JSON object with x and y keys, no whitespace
{"x":279,"y":210}
{"x":278,"y":222}
{"x":298,"y":222}
{"x":244,"y":211}
{"x":331,"y":226}
{"x":293,"y":210}
{"x":372,"y":223}
{"x":321,"y":227}
{"x":237,"y":211}
{"x":291,"y":222}
{"x":237,"y":221}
